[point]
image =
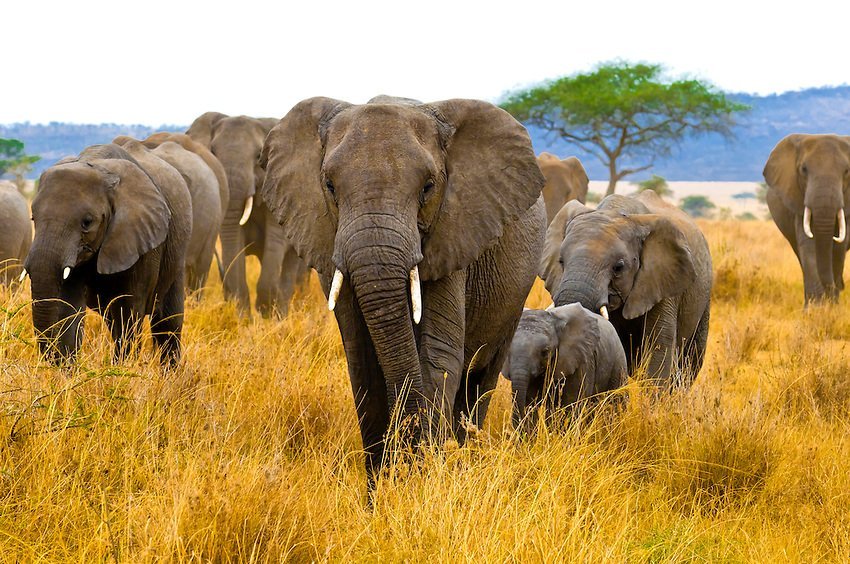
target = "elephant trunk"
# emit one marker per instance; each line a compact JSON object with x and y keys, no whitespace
{"x":379,"y":259}
{"x":823,"y":229}
{"x":57,"y":308}
{"x":233,"y":257}
{"x":519,"y":387}
{"x":582,"y":290}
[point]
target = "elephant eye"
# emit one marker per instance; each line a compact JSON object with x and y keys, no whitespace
{"x":619,"y":266}
{"x":805,"y":169}
{"x":87,"y":222}
{"x":427,"y":188}
{"x":330,"y":186}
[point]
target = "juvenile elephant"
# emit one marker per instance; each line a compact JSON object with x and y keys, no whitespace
{"x":808,"y":178}
{"x":15,"y":233}
{"x":425,"y":223}
{"x":645,"y":264}
{"x":566,"y":180}
{"x":109,"y":237}
{"x":247,"y":228}
{"x":170,"y":162}
{"x":563,"y":356}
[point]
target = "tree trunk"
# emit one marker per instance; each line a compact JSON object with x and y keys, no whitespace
{"x":613,"y":177}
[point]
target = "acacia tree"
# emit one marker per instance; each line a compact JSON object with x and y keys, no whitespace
{"x":624,"y":114}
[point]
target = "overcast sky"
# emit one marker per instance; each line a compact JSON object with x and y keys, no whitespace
{"x":165,"y":62}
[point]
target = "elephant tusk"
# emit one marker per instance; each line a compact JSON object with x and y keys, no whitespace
{"x":249,"y":205}
{"x":23,"y":275}
{"x":842,"y":227}
{"x":336,"y":286}
{"x":603,"y":311}
{"x":807,"y":223}
{"x":66,"y":273}
{"x":416,"y":294}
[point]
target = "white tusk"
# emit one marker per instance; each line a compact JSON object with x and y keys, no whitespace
{"x":416,"y":294}
{"x":336,"y":286}
{"x":66,"y":273}
{"x":249,"y":205}
{"x":807,"y":223}
{"x":23,"y":275}
{"x":842,"y":227}
{"x":603,"y":311}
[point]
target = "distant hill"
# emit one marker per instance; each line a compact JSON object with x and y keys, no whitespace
{"x":742,"y":158}
{"x":706,"y":158}
{"x":56,"y":140}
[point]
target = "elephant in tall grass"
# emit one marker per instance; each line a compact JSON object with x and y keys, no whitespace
{"x":15,"y":233}
{"x":425,"y":224}
{"x":248,"y":228}
{"x":645,"y":265}
{"x":111,"y":235}
{"x":808,"y":179}
{"x":566,"y":180}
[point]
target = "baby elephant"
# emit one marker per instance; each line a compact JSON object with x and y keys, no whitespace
{"x":578,"y":348}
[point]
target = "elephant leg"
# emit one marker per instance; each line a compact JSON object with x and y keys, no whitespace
{"x":167,"y":324}
{"x":271,"y":299}
{"x":441,"y":335}
{"x":367,"y":380}
{"x":660,"y":343}
{"x":812,"y":286}
{"x":235,"y":285}
{"x":289,"y":278}
{"x":473,"y":400}
{"x":196,"y":276}
{"x":838,"y":255}
{"x":124,"y":321}
{"x":695,"y":351}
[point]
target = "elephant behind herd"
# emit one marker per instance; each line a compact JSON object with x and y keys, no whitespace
{"x":427,"y":225}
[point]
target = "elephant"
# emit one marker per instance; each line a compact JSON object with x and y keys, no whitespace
{"x":172,"y":160}
{"x":108,"y":236}
{"x":15,"y":233}
{"x":566,"y":180}
{"x":808,"y":178}
{"x":247,"y":227}
{"x":565,"y":356}
{"x":645,"y":265}
{"x":425,"y":224}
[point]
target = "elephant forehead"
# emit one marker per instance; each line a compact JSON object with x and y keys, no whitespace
{"x":68,"y":180}
{"x":602,"y":225}
{"x":383,"y":124}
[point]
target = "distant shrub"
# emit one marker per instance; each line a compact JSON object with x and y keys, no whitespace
{"x":697,"y":206}
{"x":746,"y":216}
{"x":657,"y":184}
{"x":593,"y":197}
{"x":744,"y":196}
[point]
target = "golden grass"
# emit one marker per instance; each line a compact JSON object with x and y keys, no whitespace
{"x":250,"y":450}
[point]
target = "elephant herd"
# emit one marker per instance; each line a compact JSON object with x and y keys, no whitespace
{"x":427,"y":225}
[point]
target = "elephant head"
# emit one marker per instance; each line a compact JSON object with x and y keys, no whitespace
{"x":608,"y":260}
{"x":380,"y":196}
{"x":811,"y":175}
{"x":560,"y":341}
{"x":92,"y":217}
{"x":566,"y":180}
{"x":236,"y":143}
{"x":201,"y":129}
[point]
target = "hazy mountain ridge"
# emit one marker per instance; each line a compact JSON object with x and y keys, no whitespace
{"x":708,"y":158}
{"x":741,"y":158}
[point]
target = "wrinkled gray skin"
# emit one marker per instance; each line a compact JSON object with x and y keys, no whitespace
{"x":15,"y":233}
{"x":374,"y":190}
{"x":237,"y":142}
{"x":171,"y":163}
{"x":812,"y":171}
{"x":566,"y":180}
{"x":579,"y":349}
{"x":648,"y":263}
{"x":124,"y":238}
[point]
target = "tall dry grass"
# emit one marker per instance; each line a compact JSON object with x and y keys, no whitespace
{"x":250,"y":450}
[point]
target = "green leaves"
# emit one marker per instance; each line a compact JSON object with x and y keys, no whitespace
{"x":12,"y":156}
{"x":624,"y":111}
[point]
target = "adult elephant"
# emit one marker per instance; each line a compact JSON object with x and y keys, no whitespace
{"x":110,"y":237}
{"x":425,"y":223}
{"x":170,"y":162}
{"x":646,"y":266}
{"x":566,"y":180}
{"x":247,"y":227}
{"x":15,"y":232}
{"x":808,"y":178}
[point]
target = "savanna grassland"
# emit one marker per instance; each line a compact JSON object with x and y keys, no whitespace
{"x":250,"y":451}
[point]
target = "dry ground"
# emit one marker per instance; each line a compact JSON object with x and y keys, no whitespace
{"x":250,"y":450}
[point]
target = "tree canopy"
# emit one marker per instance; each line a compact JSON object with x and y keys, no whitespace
{"x":657,"y":184}
{"x":624,"y":114}
{"x":13,"y":158}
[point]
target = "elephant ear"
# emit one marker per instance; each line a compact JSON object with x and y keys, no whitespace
{"x":202,"y":128}
{"x":492,"y":177}
{"x":550,"y":269}
{"x":292,"y":157}
{"x":780,"y":172}
{"x":578,"y":335}
{"x":666,"y":266}
{"x":140,"y":215}
{"x":582,"y":182}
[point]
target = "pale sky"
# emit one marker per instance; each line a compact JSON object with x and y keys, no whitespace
{"x":165,"y":62}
